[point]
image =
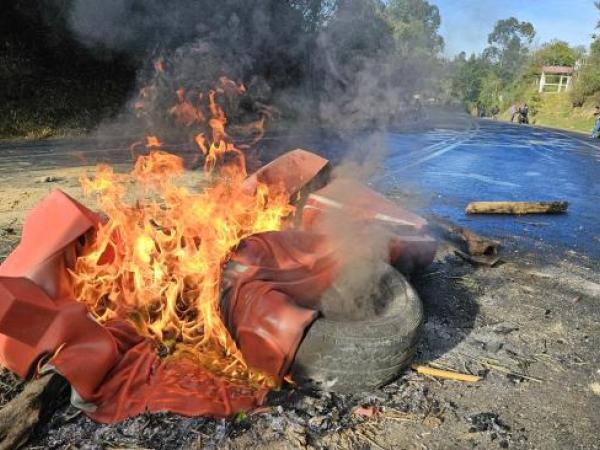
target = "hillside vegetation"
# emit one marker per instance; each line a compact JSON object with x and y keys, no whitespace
{"x":66,"y":65}
{"x":507,"y":73}
{"x":557,"y":111}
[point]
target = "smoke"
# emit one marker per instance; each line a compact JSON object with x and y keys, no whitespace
{"x":133,"y":26}
{"x":260,"y":43}
{"x":364,"y":157}
{"x":339,"y":70}
{"x":357,"y":89}
{"x":242,"y":36}
{"x":323,"y":63}
{"x":363,"y":247}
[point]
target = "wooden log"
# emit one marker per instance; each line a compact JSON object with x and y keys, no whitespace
{"x":472,"y":247}
{"x":474,"y":244}
{"x":31,"y":408}
{"x":517,"y":208}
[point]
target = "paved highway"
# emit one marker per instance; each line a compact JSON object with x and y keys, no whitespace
{"x":437,"y":170}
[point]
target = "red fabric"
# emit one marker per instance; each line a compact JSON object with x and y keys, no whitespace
{"x":276,"y":280}
{"x":141,"y":382}
{"x":109,"y":366}
{"x":48,"y":243}
{"x":365,"y":212}
{"x":274,"y":283}
{"x":291,"y":172}
{"x":33,"y":280}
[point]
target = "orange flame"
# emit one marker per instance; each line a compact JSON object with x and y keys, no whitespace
{"x":157,"y":262}
{"x":184,"y":111}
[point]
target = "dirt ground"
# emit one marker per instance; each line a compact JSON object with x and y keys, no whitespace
{"x":529,"y":326}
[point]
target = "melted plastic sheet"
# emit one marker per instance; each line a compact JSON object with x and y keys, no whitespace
{"x":273,"y":285}
{"x":116,"y":373}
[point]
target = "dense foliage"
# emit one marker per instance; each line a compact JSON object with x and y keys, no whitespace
{"x":68,"y":64}
{"x":492,"y":78}
{"x":49,"y":82}
{"x":507,"y":72}
{"x":588,"y":81}
{"x":357,"y":60}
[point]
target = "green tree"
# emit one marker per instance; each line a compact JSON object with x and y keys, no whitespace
{"x":468,"y":76}
{"x":416,"y":56}
{"x":556,"y":53}
{"x":509,"y":45}
{"x":315,"y":12}
{"x":587,"y":83}
{"x":490,"y":90}
{"x":415,"y":25}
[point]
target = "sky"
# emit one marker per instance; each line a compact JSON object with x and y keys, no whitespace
{"x":467,"y":23}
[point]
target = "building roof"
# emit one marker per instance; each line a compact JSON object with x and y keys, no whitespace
{"x":558,"y":70}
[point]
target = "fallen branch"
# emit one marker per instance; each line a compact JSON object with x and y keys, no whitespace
{"x":473,"y":247}
{"x":494,"y":364}
{"x":510,"y":372}
{"x":489,"y":261}
{"x":33,"y":406}
{"x":446,"y":374}
{"x":517,"y":208}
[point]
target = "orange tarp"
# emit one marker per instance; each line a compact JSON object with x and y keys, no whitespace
{"x":272,"y":288}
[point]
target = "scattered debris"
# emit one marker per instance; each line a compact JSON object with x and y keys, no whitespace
{"x":7,"y":231}
{"x":366,"y":411}
{"x":432,"y":422}
{"x":505,"y":328}
{"x":10,"y":386}
{"x":399,"y":416}
{"x":49,"y":179}
{"x":474,"y":248}
{"x":517,"y":208}
{"x":489,"y":261}
{"x":493,"y":364}
{"x":486,"y":421}
{"x":446,"y":374}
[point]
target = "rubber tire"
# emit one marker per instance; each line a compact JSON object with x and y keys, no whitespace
{"x":348,"y":357}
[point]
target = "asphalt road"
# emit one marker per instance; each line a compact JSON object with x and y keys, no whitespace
{"x":496,"y":161}
{"x":437,"y":170}
{"x":440,"y":170}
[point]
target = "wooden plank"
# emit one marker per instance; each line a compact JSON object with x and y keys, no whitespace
{"x":517,"y":208}
{"x":446,"y":374}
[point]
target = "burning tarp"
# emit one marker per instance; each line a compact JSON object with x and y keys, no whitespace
{"x":134,"y":306}
{"x":115,"y":368}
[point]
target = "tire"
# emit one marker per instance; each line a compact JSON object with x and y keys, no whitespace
{"x":352,"y":356}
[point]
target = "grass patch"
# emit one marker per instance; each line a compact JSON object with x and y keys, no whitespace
{"x":556,"y":111}
{"x":49,"y":102}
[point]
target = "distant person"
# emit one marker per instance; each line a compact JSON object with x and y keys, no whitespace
{"x":418,"y":108}
{"x":524,"y":114}
{"x":596,"y":130}
{"x":495,"y":111}
{"x":513,"y":112}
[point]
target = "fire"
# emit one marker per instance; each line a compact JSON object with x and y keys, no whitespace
{"x":157,"y":261}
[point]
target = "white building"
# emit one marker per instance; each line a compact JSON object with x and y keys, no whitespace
{"x":556,"y":78}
